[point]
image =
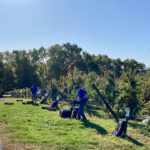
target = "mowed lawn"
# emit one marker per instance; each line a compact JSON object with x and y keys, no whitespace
{"x":30,"y":127}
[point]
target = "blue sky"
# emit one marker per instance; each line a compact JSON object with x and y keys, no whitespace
{"x":117,"y":28}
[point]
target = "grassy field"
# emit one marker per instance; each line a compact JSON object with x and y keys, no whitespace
{"x":30,"y":127}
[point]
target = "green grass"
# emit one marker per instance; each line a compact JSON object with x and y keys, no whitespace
{"x":31,"y":125}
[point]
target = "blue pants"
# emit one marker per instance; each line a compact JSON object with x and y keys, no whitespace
{"x":81,"y":111}
{"x":34,"y":97}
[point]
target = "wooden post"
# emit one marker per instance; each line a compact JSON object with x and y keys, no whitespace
{"x":105,"y":102}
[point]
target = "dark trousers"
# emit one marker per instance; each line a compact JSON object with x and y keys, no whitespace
{"x":81,"y":111}
{"x":34,"y":98}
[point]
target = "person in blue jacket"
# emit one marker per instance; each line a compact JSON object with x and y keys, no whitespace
{"x":34,"y":90}
{"x":82,"y":99}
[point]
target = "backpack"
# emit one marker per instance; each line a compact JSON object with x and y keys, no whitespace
{"x":48,"y":108}
{"x":121,"y":128}
{"x":54,"y":104}
{"x":43,"y":101}
{"x":65,"y":113}
{"x":27,"y":102}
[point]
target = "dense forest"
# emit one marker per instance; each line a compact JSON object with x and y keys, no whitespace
{"x":123,"y":83}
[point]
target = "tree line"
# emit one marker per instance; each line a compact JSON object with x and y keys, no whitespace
{"x":123,"y":83}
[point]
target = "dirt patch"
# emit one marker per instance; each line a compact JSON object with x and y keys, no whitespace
{"x":6,"y":144}
{"x":2,"y":123}
{"x":17,"y":146}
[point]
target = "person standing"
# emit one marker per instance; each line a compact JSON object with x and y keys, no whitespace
{"x":34,"y":90}
{"x":82,"y":99}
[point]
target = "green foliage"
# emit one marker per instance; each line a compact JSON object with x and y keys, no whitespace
{"x":123,"y":83}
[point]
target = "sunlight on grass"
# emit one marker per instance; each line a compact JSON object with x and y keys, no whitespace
{"x":32,"y":125}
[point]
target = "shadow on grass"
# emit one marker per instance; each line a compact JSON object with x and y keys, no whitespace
{"x":92,"y":125}
{"x":130,"y":139}
{"x":92,"y":111}
{"x":143,"y":129}
{"x":136,"y":125}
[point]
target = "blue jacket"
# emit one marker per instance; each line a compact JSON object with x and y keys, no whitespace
{"x":33,"y":89}
{"x":83,"y":100}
